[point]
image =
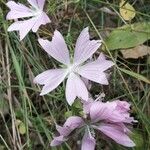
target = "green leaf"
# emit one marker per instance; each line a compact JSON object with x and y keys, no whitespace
{"x":77,"y":104}
{"x":68,"y":114}
{"x":136,"y":75}
{"x":128,"y":36}
{"x":138,"y":139}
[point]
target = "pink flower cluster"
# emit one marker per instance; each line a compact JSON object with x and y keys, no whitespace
{"x":110,"y":118}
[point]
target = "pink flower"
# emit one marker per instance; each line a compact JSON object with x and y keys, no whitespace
{"x":36,"y":16}
{"x":108,"y":118}
{"x":73,"y":68}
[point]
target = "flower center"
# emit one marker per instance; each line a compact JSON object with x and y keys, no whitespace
{"x":36,"y":11}
{"x":72,"y":68}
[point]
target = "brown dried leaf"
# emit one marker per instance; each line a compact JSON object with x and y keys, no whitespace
{"x":136,"y":52}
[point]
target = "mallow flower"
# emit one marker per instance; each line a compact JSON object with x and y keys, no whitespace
{"x":73,"y":68}
{"x":108,"y":119}
{"x":34,"y":15}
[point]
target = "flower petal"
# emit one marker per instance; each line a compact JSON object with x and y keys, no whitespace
{"x":114,"y":132}
{"x":101,"y":57}
{"x":94,"y":71}
{"x":65,"y":131}
{"x":22,"y":26}
{"x":87,"y":105}
{"x":99,"y":111}
{"x":57,"y":141}
{"x":88,"y":142}
{"x":75,"y":87}
{"x":37,"y":3}
{"x":51,"y":79}
{"x":33,"y":3}
{"x":18,"y":10}
{"x":41,"y":3}
{"x":110,"y":112}
{"x":85,"y":47}
{"x":74,"y":122}
{"x":71,"y":124}
{"x":57,"y":48}
{"x":93,"y":75}
{"x":42,"y":19}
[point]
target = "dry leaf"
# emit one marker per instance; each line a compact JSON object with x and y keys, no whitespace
{"x":127,"y":11}
{"x":136,"y":52}
{"x":22,"y":128}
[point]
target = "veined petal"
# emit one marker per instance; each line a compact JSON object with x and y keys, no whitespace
{"x":94,"y":71}
{"x":57,"y":141}
{"x":71,"y":124}
{"x":88,"y":142}
{"x":85,"y":47}
{"x":37,"y":3}
{"x":17,"y":6}
{"x":74,"y":122}
{"x":113,"y":131}
{"x":33,"y":3}
{"x":93,"y":75}
{"x":87,"y":105}
{"x":119,"y":112}
{"x":15,"y":15}
{"x":22,"y":26}
{"x":75,"y":87}
{"x":99,"y":111}
{"x":42,"y":19}
{"x":101,"y":57}
{"x":57,"y":48}
{"x":51,"y":79}
{"x":63,"y":130}
{"x":41,"y":4}
{"x":18,"y":10}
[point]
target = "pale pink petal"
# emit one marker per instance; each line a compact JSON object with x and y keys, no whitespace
{"x":118,"y":112}
{"x":17,"y":6}
{"x":94,"y":71}
{"x":88,"y":142}
{"x":87,"y":83}
{"x":74,"y":122}
{"x":42,"y":19}
{"x":48,"y":75}
{"x":85,"y":47}
{"x":51,"y":79}
{"x":101,"y":57}
{"x":87,"y":105}
{"x":33,"y":3}
{"x":71,"y":124}
{"x":37,"y":3}
{"x":22,"y":26}
{"x":65,"y":131}
{"x":108,"y":112}
{"x":122,"y":106}
{"x":93,"y":74}
{"x":75,"y":87}
{"x":41,"y":3}
{"x":16,"y":15}
{"x":114,"y":132}
{"x":57,"y":48}
{"x":99,"y":111}
{"x":18,"y":10}
{"x":57,"y":141}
